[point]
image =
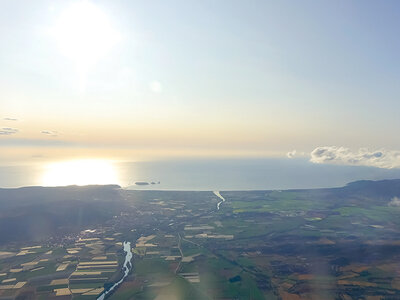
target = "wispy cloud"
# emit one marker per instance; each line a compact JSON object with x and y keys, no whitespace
{"x":50,"y":133}
{"x":8,"y":131}
{"x":291,"y":154}
{"x":10,"y":119}
{"x":387,"y":159}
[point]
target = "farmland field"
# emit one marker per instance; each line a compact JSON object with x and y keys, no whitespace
{"x":341,"y":243}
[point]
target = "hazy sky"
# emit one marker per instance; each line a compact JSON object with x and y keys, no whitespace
{"x":135,"y":80}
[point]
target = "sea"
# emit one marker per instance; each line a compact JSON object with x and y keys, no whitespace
{"x":218,"y":174}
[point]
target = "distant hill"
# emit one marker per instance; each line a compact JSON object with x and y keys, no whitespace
{"x":382,"y":188}
{"x":35,"y":194}
{"x":367,"y":192}
{"x":35,"y":213}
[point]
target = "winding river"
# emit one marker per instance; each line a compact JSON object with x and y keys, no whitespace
{"x":126,"y":267}
{"x":216,"y":193}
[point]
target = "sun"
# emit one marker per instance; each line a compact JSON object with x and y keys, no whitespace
{"x":79,"y":172}
{"x":84,"y":33}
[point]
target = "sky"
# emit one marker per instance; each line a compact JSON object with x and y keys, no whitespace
{"x":140,"y":80}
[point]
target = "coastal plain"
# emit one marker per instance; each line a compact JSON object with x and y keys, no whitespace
{"x":336,"y":243}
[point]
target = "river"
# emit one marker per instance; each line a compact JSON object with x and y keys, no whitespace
{"x":216,"y":193}
{"x":126,"y":267}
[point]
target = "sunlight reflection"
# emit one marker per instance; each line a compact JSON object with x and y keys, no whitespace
{"x":80,"y":172}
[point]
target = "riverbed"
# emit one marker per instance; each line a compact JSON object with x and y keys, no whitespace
{"x":216,"y":193}
{"x":126,"y":268}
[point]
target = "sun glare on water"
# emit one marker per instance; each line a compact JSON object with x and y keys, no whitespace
{"x":80,"y":172}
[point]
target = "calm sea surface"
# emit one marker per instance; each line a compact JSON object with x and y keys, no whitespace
{"x":219,"y":174}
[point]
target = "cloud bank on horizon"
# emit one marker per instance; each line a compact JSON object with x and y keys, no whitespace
{"x":386,"y":159}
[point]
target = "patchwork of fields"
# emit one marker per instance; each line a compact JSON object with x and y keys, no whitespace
{"x":45,"y":272}
{"x":341,"y":243}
